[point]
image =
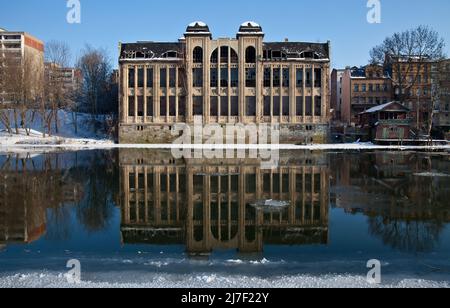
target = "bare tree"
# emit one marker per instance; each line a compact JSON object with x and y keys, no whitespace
{"x":58,"y":95}
{"x":95,"y":68}
{"x":21,"y":88}
{"x":409,"y":54}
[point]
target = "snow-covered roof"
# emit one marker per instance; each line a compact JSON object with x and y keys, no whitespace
{"x":198,"y":24}
{"x":250,"y":24}
{"x":383,"y":107}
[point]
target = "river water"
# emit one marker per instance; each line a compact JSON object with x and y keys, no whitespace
{"x":136,"y":217}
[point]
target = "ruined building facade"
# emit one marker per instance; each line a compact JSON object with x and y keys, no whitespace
{"x":224,"y":81}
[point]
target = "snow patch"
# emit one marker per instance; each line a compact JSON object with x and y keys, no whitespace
{"x":197,"y":24}
{"x":250,"y":24}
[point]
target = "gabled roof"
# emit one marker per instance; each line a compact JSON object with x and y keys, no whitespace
{"x":392,"y":107}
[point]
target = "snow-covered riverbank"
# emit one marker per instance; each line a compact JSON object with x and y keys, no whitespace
{"x":53,"y":280}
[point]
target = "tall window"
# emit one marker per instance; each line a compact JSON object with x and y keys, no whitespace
{"x":250,"y":102}
{"x":318,"y":77}
{"x":276,"y":106}
{"x":224,"y":106}
{"x":224,"y":54}
{"x":308,"y":77}
{"x":286,"y":106}
{"x":234,"y":77}
{"x":250,"y":55}
{"x":140,"y":106}
{"x":131,"y":106}
{"x":197,"y":77}
{"x":214,"y":106}
{"x":286,"y":77}
{"x":299,"y":78}
{"x":234,"y":106}
{"x":198,"y":105}
{"x":131,"y":77}
{"x":172,"y":77}
{"x":140,"y":77}
{"x":250,"y":77}
{"x":163,"y":106}
{"x":299,"y":104}
{"x":276,"y":77}
{"x":267,"y":77}
{"x":267,"y":106}
{"x":214,"y":77}
{"x":318,"y":106}
{"x":224,"y":77}
{"x":309,"y":106}
{"x":149,"y":77}
{"x":197,"y":55}
{"x":172,"y":106}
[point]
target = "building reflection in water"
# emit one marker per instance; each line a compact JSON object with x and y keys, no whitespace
{"x":206,"y":204}
{"x":404,"y":196}
{"x":28,"y":187}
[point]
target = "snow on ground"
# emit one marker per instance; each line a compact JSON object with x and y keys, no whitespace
{"x":86,"y":134}
{"x":53,"y":280}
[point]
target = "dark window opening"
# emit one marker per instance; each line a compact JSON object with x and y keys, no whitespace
{"x":214,"y":76}
{"x":276,"y":106}
{"x":214,"y":105}
{"x":224,"y":106}
{"x":224,"y":77}
{"x":234,"y":77}
{"x":267,"y":106}
{"x":163,"y":106}
{"x":250,"y":102}
{"x":309,"y":106}
{"x":250,"y":77}
{"x":140,"y":77}
{"x":299,"y":103}
{"x":299,"y":78}
{"x":318,"y":77}
{"x":172,"y":106}
{"x":215,"y":57}
{"x":234,"y":106}
{"x":318,"y":106}
{"x":197,"y":77}
{"x":276,"y":77}
{"x":198,"y":105}
{"x":131,"y":76}
{"x":140,"y":106}
{"x":172,"y":77}
{"x":267,"y":74}
{"x":131,"y":106}
{"x":286,"y":77}
{"x":197,"y":55}
{"x":250,"y":55}
{"x":286,"y":106}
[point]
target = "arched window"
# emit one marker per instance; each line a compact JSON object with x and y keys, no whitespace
{"x":215,"y":57}
{"x":234,"y":56}
{"x":250,"y":55}
{"x":197,"y":55}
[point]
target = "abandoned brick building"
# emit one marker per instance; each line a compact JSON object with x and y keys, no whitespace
{"x":225,"y":81}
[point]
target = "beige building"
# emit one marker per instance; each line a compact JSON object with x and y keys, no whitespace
{"x":19,"y":48}
{"x":241,"y":80}
{"x":442,"y":108}
{"x":208,"y":205}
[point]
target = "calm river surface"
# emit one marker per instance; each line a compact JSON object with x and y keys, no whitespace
{"x":139,"y":218}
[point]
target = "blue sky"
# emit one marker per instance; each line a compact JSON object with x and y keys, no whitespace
{"x":106,"y":22}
